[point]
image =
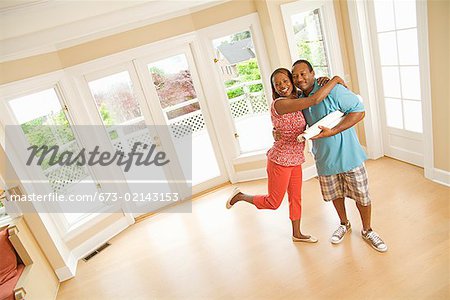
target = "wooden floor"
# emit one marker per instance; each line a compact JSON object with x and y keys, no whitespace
{"x":245,"y":253}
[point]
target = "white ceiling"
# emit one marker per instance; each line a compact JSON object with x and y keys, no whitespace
{"x":30,"y":27}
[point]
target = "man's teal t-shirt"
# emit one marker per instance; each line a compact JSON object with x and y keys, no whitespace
{"x":341,"y":152}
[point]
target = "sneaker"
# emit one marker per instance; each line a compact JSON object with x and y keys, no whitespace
{"x":338,"y":235}
{"x":374,"y":240}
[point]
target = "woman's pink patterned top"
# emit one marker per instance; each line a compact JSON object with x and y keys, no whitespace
{"x":287,"y":151}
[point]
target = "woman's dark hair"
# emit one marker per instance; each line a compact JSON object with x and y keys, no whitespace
{"x":286,"y":72}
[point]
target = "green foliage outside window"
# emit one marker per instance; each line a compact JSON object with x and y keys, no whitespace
{"x":235,"y":93}
{"x":314,"y":52}
{"x":247,"y":71}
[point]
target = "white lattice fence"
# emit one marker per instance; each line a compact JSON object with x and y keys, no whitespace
{"x":187,"y":124}
{"x":258,"y":102}
{"x":61,"y":177}
{"x":248,"y":104}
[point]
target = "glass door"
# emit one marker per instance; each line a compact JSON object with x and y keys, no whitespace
{"x":398,"y":68}
{"x":130,"y":127}
{"x":236,"y":60}
{"x":172,"y":79}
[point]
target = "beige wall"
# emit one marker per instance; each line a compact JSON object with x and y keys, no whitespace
{"x":33,"y":220}
{"x":41,"y":64}
{"x":275,"y":37}
{"x":41,"y":282}
{"x":439,"y":40}
{"x":348,"y":56}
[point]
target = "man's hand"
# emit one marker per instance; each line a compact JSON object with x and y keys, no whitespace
{"x":348,"y":121}
{"x":276,"y":135}
{"x":326,"y":132}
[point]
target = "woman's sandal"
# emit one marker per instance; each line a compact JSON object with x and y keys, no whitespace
{"x":234,"y":193}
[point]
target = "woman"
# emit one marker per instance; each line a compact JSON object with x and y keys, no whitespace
{"x":285,"y":158}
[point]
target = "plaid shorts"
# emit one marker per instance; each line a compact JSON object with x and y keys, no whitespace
{"x":352,"y":184}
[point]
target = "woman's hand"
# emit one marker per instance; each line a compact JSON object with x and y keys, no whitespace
{"x":322,"y":80}
{"x":276,"y":134}
{"x":340,"y":81}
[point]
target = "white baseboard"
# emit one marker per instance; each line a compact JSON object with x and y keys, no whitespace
{"x":67,"y":271}
{"x":90,"y":245}
{"x":441,"y":177}
{"x":100,"y":238}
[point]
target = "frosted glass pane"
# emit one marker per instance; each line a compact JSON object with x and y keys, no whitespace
{"x":407,"y":47}
{"x":308,"y":37}
{"x":116,"y":100}
{"x":410,"y":82}
{"x":391,"y":82}
{"x":387,"y":44}
{"x":384,"y":15}
{"x":405,"y":14}
{"x":394,"y":115}
{"x":413,"y":115}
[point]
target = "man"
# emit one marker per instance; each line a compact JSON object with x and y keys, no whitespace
{"x":338,"y":154}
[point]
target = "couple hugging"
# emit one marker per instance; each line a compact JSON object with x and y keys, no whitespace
{"x":337,"y":152}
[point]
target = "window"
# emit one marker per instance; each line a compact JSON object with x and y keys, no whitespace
{"x":312,"y":35}
{"x":43,"y":121}
{"x":396,"y":31}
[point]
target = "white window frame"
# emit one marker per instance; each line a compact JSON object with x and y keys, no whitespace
{"x":330,"y":31}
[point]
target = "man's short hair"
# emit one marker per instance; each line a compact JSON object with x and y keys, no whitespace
{"x":303,"y":61}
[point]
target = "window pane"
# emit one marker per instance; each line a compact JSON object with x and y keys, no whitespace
{"x":309,"y":40}
{"x":115,"y":99}
{"x":410,"y":82}
{"x":384,"y":15}
{"x":244,"y":88}
{"x":408,"y":47}
{"x":173,"y":81}
{"x":391,"y":82}
{"x":413,"y":115}
{"x":178,"y":98}
{"x":387,"y":44}
{"x":405,"y":13}
{"x":44,"y":122}
{"x":394,"y":115}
